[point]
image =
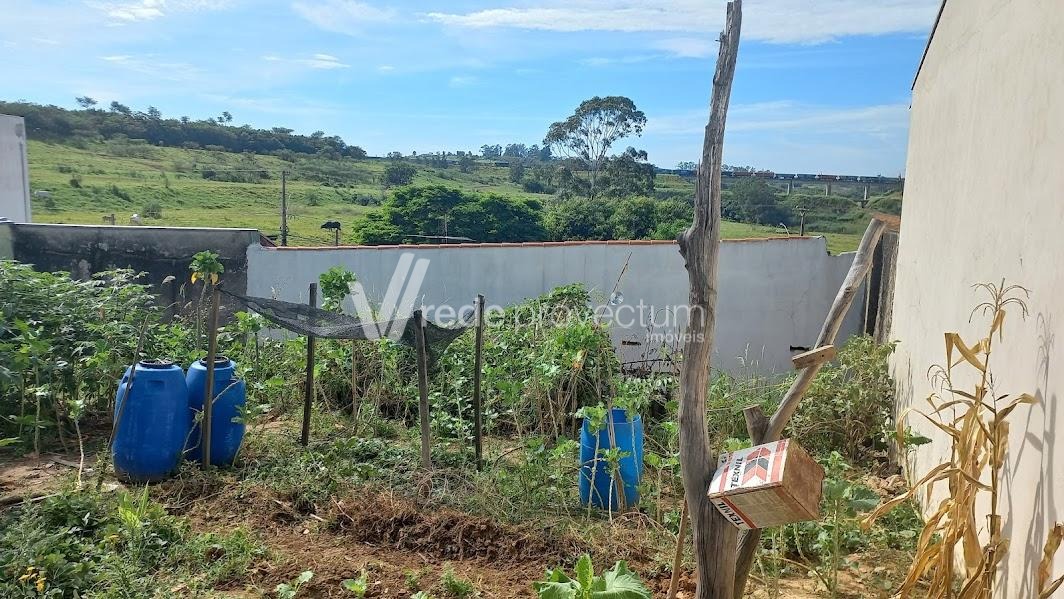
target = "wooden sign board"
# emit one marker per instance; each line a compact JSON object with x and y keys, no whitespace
{"x":767,"y":485}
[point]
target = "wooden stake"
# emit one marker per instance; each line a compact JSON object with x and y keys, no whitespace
{"x":423,"y":389}
{"x":308,"y":390}
{"x":677,"y":558}
{"x":478,"y":367}
{"x":208,"y":395}
{"x":714,"y":538}
{"x":773,"y":429}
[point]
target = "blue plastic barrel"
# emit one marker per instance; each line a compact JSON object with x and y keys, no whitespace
{"x":230,"y":395}
{"x":596,"y":483}
{"x":151,"y":435}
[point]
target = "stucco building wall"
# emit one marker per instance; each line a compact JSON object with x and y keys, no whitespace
{"x":983,"y":202}
{"x":14,"y":173}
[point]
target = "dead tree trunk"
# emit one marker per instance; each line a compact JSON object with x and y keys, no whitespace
{"x":714,"y":538}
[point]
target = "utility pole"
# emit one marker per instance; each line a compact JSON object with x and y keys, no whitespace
{"x":284,"y":208}
{"x":336,"y":237}
{"x":801,"y":212}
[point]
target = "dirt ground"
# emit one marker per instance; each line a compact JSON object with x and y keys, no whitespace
{"x":402,"y":546}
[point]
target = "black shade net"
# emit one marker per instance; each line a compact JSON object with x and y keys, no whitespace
{"x":311,"y":321}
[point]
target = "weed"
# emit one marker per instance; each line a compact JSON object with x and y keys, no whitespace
{"x":290,"y":589}
{"x":454,"y":586}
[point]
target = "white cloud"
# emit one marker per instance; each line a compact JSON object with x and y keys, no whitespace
{"x":602,"y":61}
{"x":342,"y":16}
{"x":129,"y":11}
{"x":789,"y":116}
{"x":315,"y":61}
{"x":462,"y":81}
{"x":150,"y":64}
{"x":386,"y":68}
{"x":777,"y":21}
{"x":688,"y":47}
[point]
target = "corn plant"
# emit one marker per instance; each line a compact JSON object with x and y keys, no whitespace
{"x":976,"y":422}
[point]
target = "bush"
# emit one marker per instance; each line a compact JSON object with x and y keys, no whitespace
{"x":399,"y":173}
{"x":850,"y":403}
{"x":75,"y":181}
{"x":120,"y":193}
{"x":152,"y":209}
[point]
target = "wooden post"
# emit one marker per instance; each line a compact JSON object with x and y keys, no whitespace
{"x":308,"y":390}
{"x":208,"y":395}
{"x":677,"y":558}
{"x":423,"y":389}
{"x":478,"y":366}
{"x":773,"y":429}
{"x":714,"y":538}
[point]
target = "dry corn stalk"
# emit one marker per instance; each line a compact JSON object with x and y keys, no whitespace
{"x":977,"y":423}
{"x":1045,"y":587}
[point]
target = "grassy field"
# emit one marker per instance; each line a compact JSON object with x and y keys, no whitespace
{"x":91,"y":182}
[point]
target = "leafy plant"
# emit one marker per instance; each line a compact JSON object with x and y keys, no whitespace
{"x":206,"y":266}
{"x":335,"y":286}
{"x":357,"y":586}
{"x":289,"y":590}
{"x":616,"y":583}
{"x":843,"y":500}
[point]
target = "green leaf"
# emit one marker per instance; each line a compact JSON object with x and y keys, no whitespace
{"x":621,"y":583}
{"x":555,"y":590}
{"x":585,"y":572}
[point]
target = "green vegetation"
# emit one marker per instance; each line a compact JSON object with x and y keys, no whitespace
{"x":179,"y":172}
{"x":618,"y":582}
{"x":545,"y":362}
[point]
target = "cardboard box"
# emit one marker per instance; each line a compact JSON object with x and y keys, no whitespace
{"x":768,"y":485}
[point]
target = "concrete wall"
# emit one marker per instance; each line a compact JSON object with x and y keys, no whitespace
{"x":983,"y":201}
{"x":14,"y":172}
{"x":774,"y":294}
{"x":160,"y":252}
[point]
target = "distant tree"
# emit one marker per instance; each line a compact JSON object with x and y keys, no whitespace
{"x":628,"y":175}
{"x":687,"y":166}
{"x":515,"y":151}
{"x":154,"y":114}
{"x":633,"y":218}
{"x":752,"y":200}
{"x":545,"y":153}
{"x":226,"y":117}
{"x":356,"y":152}
{"x":282,"y":130}
{"x":185,"y":120}
{"x":579,"y":219}
{"x":593,"y":129}
{"x":466,"y":163}
{"x":119,"y":108}
{"x":399,"y":173}
{"x":517,"y":171}
{"x":421,"y":210}
{"x":488,"y":151}
{"x":317,"y":134}
{"x":85,"y":102}
{"x":395,"y":156}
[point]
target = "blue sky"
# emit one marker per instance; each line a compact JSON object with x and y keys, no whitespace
{"x":821,"y":85}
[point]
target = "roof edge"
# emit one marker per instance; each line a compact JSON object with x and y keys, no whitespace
{"x":927,"y":46}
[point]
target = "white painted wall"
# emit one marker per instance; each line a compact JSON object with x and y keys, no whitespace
{"x":983,"y":201}
{"x":773,"y":293}
{"x":14,"y":172}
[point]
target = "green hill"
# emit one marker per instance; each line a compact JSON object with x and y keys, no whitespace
{"x":196,"y":187}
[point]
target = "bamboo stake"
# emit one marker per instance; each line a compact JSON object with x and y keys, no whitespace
{"x":478,"y":367}
{"x":677,"y":558}
{"x":308,"y":390}
{"x":423,"y":389}
{"x":208,"y":396}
